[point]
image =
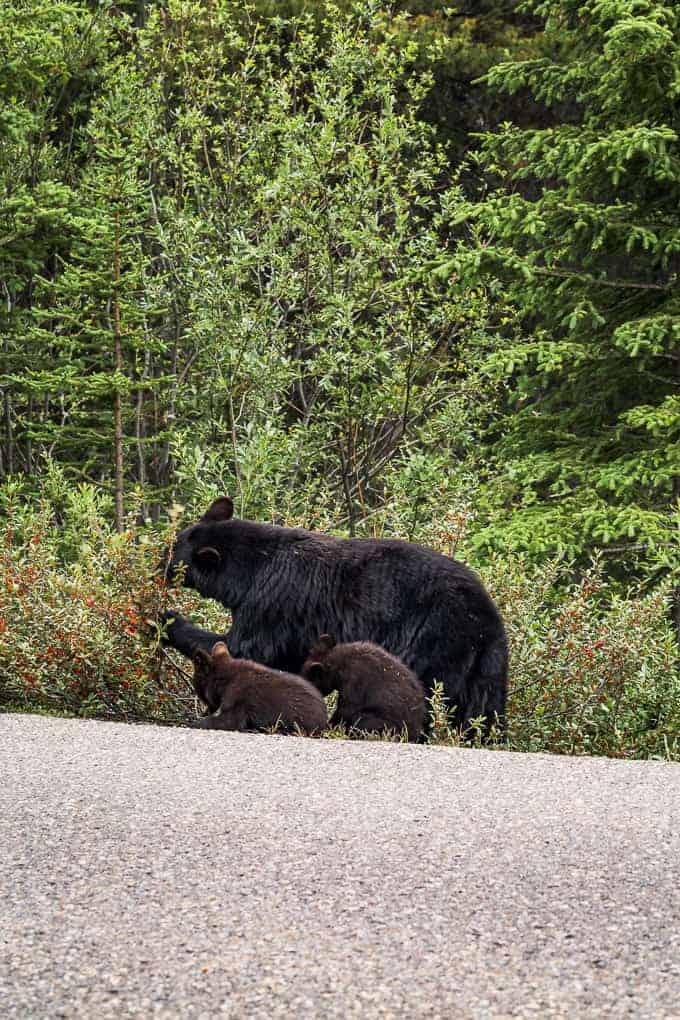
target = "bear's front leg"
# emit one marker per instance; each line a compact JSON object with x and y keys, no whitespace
{"x":186,"y":637}
{"x":228,"y":719}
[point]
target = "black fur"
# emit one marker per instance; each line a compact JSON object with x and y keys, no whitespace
{"x":285,"y":586}
{"x":376,"y":692}
{"x":247,"y":696}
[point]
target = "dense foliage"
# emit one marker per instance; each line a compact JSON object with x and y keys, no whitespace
{"x":218,"y":271}
{"x":581,"y":228}
{"x":406,"y":270}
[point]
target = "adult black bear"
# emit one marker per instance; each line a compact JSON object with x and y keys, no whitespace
{"x":247,"y":696}
{"x":285,"y":586}
{"x":376,"y":691}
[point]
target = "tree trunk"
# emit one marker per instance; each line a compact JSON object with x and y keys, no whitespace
{"x":9,"y":435}
{"x":675,"y":600}
{"x":118,"y":368}
{"x":29,"y":441}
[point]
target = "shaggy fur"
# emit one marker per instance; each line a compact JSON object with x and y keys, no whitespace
{"x":376,"y":692}
{"x":247,"y":696}
{"x":285,"y":586}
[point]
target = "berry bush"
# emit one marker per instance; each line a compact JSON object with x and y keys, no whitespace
{"x":593,"y":670}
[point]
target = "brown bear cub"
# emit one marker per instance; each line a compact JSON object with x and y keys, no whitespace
{"x":376,"y":691}
{"x":243,"y":695}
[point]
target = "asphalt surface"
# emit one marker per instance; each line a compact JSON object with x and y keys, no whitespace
{"x":178,"y":873}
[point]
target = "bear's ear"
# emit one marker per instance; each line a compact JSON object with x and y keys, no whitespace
{"x":314,"y":672}
{"x":220,"y":651}
{"x":325,"y":643}
{"x":200,"y":657}
{"x":208,"y":556}
{"x":222,"y":509}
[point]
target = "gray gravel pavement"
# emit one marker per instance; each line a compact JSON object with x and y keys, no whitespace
{"x":178,"y":873}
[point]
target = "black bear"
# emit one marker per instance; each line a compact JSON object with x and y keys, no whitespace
{"x":376,"y":692}
{"x":285,"y":586}
{"x":246,"y":696}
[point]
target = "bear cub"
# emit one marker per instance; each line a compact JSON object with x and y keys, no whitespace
{"x":244,"y":695}
{"x":376,"y":691}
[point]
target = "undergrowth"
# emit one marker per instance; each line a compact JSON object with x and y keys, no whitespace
{"x":593,"y":671}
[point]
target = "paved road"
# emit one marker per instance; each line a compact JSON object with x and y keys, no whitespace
{"x":151,"y":872}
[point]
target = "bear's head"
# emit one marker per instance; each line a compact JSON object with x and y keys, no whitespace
{"x":316,"y":669}
{"x":211,"y":671}
{"x":202,"y":550}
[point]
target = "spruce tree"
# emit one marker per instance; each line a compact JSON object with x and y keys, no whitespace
{"x":91,"y":321}
{"x":580,"y":235}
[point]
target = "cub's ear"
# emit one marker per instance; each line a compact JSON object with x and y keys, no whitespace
{"x":220,"y":651}
{"x":201,"y":657}
{"x":314,"y":672}
{"x":209,"y":556}
{"x":222,"y":509}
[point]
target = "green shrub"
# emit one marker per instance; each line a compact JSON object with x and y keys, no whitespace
{"x":593,"y":671}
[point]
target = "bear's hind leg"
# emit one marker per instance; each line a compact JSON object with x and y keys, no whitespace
{"x":371,"y":722}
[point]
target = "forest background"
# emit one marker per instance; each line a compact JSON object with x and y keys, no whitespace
{"x":406,"y":271}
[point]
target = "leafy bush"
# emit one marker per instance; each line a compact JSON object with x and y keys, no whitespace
{"x":75,"y":598}
{"x":592,"y":671}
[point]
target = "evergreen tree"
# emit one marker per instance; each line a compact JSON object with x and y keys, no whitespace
{"x":582,"y":237}
{"x":49,"y":60}
{"x":91,"y":327}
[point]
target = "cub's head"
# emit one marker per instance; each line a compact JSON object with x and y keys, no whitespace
{"x":316,"y":669}
{"x":211,"y":673}
{"x":202,"y":550}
